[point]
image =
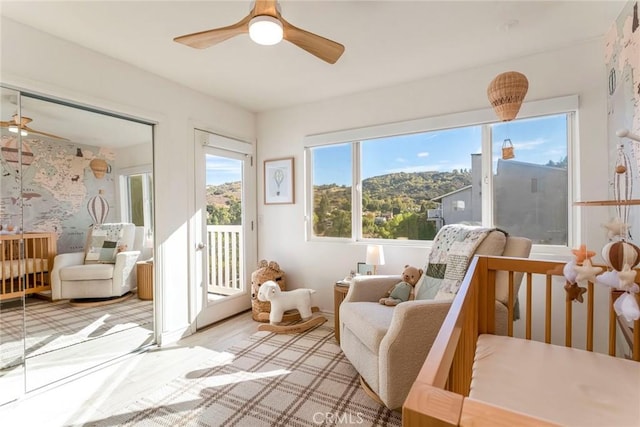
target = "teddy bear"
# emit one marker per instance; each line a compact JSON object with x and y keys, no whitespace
{"x":403,"y":291}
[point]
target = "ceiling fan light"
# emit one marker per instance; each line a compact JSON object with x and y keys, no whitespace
{"x":16,"y":129}
{"x":265,"y":30}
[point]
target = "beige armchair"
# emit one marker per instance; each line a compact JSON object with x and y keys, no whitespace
{"x":388,"y":345}
{"x":75,"y":277}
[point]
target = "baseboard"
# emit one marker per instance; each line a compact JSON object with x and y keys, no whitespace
{"x":170,"y":337}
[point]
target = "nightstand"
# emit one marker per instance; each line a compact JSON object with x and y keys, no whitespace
{"x":339,"y":294}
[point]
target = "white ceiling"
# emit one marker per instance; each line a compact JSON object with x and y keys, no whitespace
{"x":75,"y":124}
{"x":387,"y":42}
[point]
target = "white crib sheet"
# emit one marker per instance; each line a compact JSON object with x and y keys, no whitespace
{"x":13,"y":268}
{"x":563,"y":385}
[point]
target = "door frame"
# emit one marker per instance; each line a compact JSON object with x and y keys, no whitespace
{"x":203,"y":312}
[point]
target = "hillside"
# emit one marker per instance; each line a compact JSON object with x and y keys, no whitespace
{"x":402,"y":199}
{"x":221,"y":195}
{"x":394,"y":205}
{"x":224,"y":204}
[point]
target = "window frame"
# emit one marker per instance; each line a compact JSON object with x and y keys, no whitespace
{"x":483,"y":117}
{"x":123,"y":194}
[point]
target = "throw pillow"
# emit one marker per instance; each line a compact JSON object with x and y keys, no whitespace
{"x":104,"y":244}
{"x":430,"y":281}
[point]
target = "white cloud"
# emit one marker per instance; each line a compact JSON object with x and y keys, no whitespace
{"x":529,"y":145}
{"x":423,"y":154}
{"x":401,"y":160}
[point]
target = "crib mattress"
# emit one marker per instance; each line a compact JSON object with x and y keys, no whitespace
{"x":559,"y":384}
{"x":13,"y":268}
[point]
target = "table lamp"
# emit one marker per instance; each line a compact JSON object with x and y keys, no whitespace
{"x":375,"y":256}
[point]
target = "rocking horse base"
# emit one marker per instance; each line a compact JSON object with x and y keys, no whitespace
{"x":288,"y":316}
{"x":294,"y":329}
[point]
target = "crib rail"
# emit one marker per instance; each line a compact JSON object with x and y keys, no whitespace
{"x":25,"y":262}
{"x":437,"y":396}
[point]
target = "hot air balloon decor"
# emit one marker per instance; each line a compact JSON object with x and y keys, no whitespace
{"x":99,"y":167}
{"x":98,"y":208}
{"x":617,"y":254}
{"x":506,"y":93}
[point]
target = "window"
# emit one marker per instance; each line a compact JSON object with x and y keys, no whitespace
{"x":531,"y":191}
{"x":136,"y":198}
{"x":332,"y":177}
{"x":405,"y":181}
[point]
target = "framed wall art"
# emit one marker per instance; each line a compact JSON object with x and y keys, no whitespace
{"x":365,"y":269}
{"x":278,"y":181}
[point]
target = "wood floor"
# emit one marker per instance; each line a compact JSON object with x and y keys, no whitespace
{"x":110,"y":388}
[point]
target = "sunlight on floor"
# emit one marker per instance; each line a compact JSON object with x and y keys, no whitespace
{"x":242,"y":376}
{"x":90,"y":328}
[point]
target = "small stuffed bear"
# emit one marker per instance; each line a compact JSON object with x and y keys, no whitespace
{"x":403,"y":291}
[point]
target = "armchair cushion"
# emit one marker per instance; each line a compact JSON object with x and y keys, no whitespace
{"x":369,"y":322}
{"x":87,"y":272}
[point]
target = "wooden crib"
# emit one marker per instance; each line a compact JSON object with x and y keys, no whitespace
{"x":474,"y":377}
{"x":25,"y":262}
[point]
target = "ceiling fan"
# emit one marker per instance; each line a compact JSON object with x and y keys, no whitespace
{"x":19,"y":124}
{"x":266,"y":25}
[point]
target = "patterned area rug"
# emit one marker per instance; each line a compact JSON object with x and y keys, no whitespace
{"x":267,"y":380}
{"x":55,"y":325}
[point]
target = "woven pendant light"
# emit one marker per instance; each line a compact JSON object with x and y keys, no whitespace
{"x":506,"y":93}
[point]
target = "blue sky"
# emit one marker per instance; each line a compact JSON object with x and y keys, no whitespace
{"x":221,"y":170}
{"x":535,"y":140}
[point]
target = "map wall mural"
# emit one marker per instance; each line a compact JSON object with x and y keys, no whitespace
{"x":622,"y":58}
{"x":65,"y":188}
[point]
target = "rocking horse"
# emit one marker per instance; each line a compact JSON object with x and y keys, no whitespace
{"x":282,"y":301}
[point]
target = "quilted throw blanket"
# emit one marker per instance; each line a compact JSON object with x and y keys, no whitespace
{"x":453,"y":248}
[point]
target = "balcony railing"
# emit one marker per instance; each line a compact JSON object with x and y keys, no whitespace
{"x":225,"y":268}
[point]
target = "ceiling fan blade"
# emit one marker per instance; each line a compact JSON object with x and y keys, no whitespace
{"x":208,"y":38}
{"x":50,"y":135}
{"x":21,"y":120}
{"x":323,"y":48}
{"x":6,"y":124}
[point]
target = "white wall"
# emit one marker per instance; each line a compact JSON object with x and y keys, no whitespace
{"x":574,"y":70}
{"x":38,"y":62}
{"x":135,"y":155}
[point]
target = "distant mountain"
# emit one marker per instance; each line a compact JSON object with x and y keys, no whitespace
{"x":393,"y":206}
{"x":418,"y":186}
{"x":384,"y":195}
{"x":395,"y":192}
{"x":223,"y":194}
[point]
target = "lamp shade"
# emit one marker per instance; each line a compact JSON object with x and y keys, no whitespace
{"x":375,"y":255}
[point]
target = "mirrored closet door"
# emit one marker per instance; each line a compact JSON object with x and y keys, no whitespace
{"x":11,"y":261}
{"x":79,"y":203}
